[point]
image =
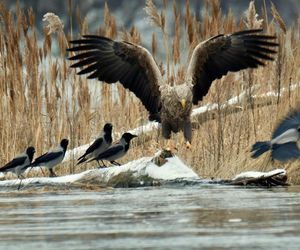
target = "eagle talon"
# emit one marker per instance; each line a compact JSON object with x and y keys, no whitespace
{"x":171,"y":147}
{"x":188,"y":145}
{"x":167,"y":149}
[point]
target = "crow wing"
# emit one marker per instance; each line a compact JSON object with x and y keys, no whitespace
{"x":286,"y":151}
{"x":291,"y":121}
{"x":49,"y":156}
{"x":218,"y":55}
{"x":113,"y":150}
{"x":14,"y":163}
{"x":111,"y":61}
{"x":96,"y":144}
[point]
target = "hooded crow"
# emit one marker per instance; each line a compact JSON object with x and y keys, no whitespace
{"x":116,"y":151}
{"x":99,"y":145}
{"x":52,"y":158}
{"x":20,"y":163}
{"x":283,"y":144}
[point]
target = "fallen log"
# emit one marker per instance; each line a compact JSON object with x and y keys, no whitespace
{"x":277,"y":177}
{"x":162,"y":169}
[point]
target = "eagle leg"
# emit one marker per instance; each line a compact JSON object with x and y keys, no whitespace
{"x":166,"y":132}
{"x":171,"y":146}
{"x":187,"y":133}
{"x":188,"y":145}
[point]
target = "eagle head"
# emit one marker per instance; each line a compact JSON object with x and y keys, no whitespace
{"x":184,"y":96}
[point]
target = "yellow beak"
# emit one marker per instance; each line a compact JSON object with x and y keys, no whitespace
{"x":183,"y":103}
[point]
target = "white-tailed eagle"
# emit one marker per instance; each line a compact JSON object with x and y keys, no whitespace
{"x":135,"y":68}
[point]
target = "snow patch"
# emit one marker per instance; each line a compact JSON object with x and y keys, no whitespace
{"x":46,"y":180}
{"x":257,"y":174}
{"x":173,"y":169}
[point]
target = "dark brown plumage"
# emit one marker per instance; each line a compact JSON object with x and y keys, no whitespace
{"x":134,"y":67}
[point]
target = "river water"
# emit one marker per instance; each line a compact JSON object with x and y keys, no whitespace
{"x":166,"y":217}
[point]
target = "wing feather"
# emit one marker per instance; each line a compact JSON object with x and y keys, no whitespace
{"x":292,"y":120}
{"x":286,"y":151}
{"x":113,"y":150}
{"x":95,"y":145}
{"x":14,"y":163}
{"x":218,"y":55}
{"x":112,"y":61}
{"x":49,"y":156}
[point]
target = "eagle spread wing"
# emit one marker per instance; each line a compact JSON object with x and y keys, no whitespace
{"x":112,"y":61}
{"x":218,"y":55}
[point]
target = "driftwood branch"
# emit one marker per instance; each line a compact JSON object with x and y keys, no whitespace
{"x":229,"y":110}
{"x":277,"y":179}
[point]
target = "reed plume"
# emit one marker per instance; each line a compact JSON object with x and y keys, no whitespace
{"x":278,"y":18}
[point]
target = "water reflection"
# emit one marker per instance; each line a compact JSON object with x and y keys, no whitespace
{"x":173,"y":217}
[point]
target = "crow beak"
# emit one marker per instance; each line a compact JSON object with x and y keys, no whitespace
{"x":183,"y":103}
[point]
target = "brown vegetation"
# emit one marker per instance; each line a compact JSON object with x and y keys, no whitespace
{"x":43,"y":100}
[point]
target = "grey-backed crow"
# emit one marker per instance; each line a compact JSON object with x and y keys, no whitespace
{"x":116,"y":151}
{"x":52,"y":158}
{"x":99,"y":145}
{"x":283,"y":144}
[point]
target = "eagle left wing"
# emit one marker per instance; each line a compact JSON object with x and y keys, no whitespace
{"x":218,"y":55}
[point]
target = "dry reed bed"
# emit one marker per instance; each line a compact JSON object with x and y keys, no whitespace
{"x":42,"y":100}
